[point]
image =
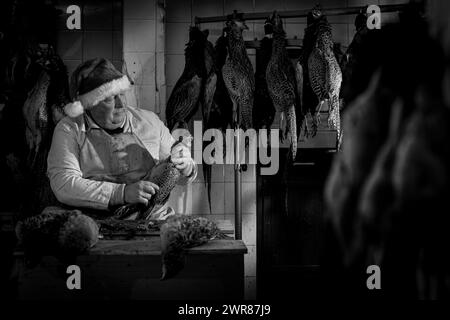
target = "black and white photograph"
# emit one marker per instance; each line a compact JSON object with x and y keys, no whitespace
{"x":221,"y":156}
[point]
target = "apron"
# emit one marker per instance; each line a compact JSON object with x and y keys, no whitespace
{"x":121,"y":158}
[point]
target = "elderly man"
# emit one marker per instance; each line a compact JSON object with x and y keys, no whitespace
{"x":103,"y":152}
{"x":99,"y":158}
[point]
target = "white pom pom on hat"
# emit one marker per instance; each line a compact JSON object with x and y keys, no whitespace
{"x":74,"y":109}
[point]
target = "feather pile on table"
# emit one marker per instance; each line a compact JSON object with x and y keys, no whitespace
{"x":180,"y":232}
{"x":387,"y":190}
{"x":58,"y":232}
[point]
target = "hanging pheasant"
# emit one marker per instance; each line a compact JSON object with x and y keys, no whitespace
{"x":209,"y":91}
{"x":282,"y":84}
{"x":42,"y":110}
{"x":323,"y":69}
{"x":184,"y":99}
{"x":263,"y":110}
{"x":238,"y":73}
{"x":221,"y":111}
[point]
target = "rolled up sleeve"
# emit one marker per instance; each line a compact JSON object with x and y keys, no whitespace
{"x":66,"y":178}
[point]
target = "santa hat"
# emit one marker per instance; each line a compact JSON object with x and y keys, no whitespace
{"x":93,"y":81}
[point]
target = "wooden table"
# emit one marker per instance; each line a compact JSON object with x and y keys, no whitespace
{"x":131,"y":269}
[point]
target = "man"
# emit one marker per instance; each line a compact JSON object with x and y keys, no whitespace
{"x":101,"y":156}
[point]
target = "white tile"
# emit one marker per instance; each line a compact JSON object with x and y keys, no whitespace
{"x":239,"y":5}
{"x":131,"y":97}
{"x":69,"y":45}
{"x":161,"y":102}
{"x":139,"y":35}
{"x":146,"y":97}
{"x":117,"y":45}
{"x":97,"y":15}
{"x":160,"y":35}
{"x":179,"y":200}
{"x":215,"y":30}
{"x":71,"y":65}
{"x":299,"y":5}
{"x":200,"y":198}
{"x":249,"y":229}
{"x":340,"y":34}
{"x":258,"y":30}
{"x":247,"y":176}
{"x":138,"y":9}
{"x":141,"y":67}
{"x":389,"y":17}
{"x":174,"y":66}
{"x":97,"y":44}
{"x":169,"y":89}
{"x":249,"y":34}
{"x":205,"y":8}
{"x":295,"y":30}
{"x":250,"y":288}
{"x":360,"y":3}
{"x":250,"y":261}
{"x":265,"y":5}
{"x":178,"y":11}
{"x":177,"y":35}
{"x":160,"y":83}
{"x":217,"y":173}
{"x":248,"y":190}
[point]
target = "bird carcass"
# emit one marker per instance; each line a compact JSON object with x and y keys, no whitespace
{"x":324,"y":73}
{"x":282,"y":84}
{"x":238,"y":74}
{"x":263,"y":110}
{"x":184,"y":99}
{"x":180,"y":232}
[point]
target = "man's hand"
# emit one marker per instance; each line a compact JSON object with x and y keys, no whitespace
{"x":185,"y":165}
{"x":139,"y":192}
{"x":181,"y":157}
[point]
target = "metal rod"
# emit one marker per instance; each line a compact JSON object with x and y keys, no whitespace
{"x":300,"y":13}
{"x":237,"y":182}
{"x":237,"y":189}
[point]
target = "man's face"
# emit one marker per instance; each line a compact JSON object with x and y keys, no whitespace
{"x":109,"y":113}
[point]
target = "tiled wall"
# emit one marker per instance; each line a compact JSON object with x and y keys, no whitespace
{"x":143,"y":41}
{"x":100,"y":34}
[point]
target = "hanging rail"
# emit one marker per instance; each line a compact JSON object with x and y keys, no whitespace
{"x":301,"y":13}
